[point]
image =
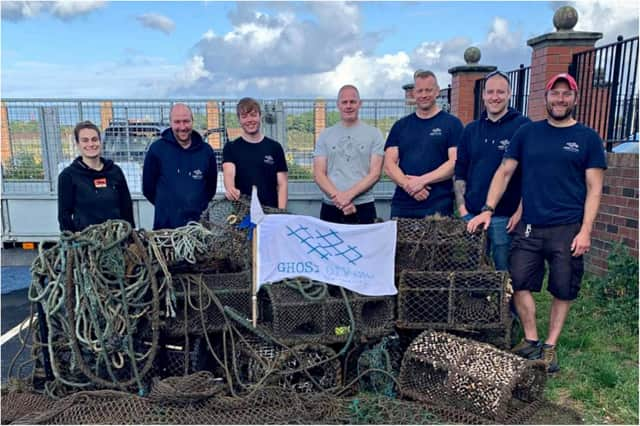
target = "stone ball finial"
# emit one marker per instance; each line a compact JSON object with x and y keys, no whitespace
{"x":565,"y":18}
{"x":472,"y":55}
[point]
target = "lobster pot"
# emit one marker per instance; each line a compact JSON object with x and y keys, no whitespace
{"x":475,"y":377}
{"x":453,"y":300}
{"x":374,"y":315}
{"x":500,"y":337}
{"x":174,"y":358}
{"x":439,"y":244}
{"x":197,"y":294}
{"x":295,"y":318}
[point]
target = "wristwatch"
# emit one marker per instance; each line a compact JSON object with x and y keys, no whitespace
{"x":487,"y":208}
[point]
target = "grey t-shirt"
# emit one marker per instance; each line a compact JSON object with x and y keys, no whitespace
{"x":348,"y":151}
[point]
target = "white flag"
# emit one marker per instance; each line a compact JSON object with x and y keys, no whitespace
{"x":357,"y":257}
{"x":255,"y":209}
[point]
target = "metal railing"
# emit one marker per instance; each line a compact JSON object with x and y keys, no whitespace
{"x":519,"y":79}
{"x":37,"y":134}
{"x":608,"y":100}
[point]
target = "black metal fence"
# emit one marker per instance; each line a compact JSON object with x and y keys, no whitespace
{"x":519,"y":79}
{"x":608,"y":100}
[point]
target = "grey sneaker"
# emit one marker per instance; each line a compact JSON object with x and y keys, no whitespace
{"x":528,"y":350}
{"x":550,"y":358}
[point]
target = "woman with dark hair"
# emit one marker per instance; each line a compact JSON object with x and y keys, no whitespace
{"x":92,"y":189}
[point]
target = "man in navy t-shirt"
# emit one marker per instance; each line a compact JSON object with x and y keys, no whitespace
{"x":420,"y":154}
{"x":480,"y":152}
{"x":563,"y":165}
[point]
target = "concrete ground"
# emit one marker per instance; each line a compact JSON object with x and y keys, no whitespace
{"x":15,"y":308}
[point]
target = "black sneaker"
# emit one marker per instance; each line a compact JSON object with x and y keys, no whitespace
{"x":528,"y":350}
{"x":550,"y":358}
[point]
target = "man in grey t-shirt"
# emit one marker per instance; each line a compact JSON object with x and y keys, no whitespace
{"x":347,"y":163}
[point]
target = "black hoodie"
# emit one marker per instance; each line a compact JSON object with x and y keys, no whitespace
{"x":87,"y":196}
{"x":179,"y":182}
{"x":480,"y":152}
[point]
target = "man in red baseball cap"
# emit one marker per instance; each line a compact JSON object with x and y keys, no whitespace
{"x":562,"y":76}
{"x":563,"y":165}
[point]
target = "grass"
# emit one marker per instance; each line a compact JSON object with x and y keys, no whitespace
{"x":598,"y":355}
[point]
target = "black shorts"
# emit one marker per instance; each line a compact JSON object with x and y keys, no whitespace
{"x":553,"y":244}
{"x":365,"y":214}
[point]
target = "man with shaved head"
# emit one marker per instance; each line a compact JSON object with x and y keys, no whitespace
{"x":347,"y":163}
{"x":180,"y":173}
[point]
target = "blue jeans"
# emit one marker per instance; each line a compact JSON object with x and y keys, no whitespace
{"x":499,"y":240}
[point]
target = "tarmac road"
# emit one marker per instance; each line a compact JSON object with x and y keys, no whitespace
{"x":15,"y":304}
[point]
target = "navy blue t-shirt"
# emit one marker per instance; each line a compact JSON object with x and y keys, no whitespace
{"x":423,"y":146}
{"x":480,"y":151}
{"x":553,"y":162}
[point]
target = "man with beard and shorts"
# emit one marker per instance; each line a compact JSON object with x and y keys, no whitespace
{"x":563,"y":165}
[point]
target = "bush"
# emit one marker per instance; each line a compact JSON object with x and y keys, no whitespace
{"x":617,"y":291}
{"x":24,"y":166}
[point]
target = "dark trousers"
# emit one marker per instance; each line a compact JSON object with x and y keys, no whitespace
{"x":365,"y":214}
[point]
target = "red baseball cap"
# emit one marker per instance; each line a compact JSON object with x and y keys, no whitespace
{"x":562,"y":76}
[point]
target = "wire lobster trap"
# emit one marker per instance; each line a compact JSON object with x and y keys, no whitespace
{"x":306,"y":311}
{"x":453,"y":300}
{"x":471,"y":376}
{"x":439,"y":244}
{"x":201,"y":299}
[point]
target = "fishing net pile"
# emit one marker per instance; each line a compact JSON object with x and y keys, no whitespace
{"x":154,"y":327}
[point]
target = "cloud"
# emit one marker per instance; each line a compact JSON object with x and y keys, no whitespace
{"x":277,"y":54}
{"x":62,"y":9}
{"x":19,"y":10}
{"x":67,"y":10}
{"x":141,"y":77}
{"x":610,"y":17}
{"x":158,"y":22}
{"x":273,"y":43}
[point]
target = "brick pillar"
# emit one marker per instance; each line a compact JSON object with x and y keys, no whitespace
{"x":5,"y":137}
{"x":319,"y":119}
{"x":106,"y":114}
{"x":213,"y":122}
{"x":552,"y":54}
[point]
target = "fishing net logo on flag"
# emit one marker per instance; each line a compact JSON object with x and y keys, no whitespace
{"x":325,"y":244}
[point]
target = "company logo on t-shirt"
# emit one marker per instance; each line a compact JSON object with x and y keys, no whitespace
{"x":503,"y":144}
{"x":269,"y":160}
{"x":197,"y":174}
{"x":436,"y":131}
{"x":571,"y":147}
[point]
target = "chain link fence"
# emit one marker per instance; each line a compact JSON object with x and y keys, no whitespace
{"x":37,"y":134}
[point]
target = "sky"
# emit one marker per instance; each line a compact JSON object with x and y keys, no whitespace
{"x":216,"y":49}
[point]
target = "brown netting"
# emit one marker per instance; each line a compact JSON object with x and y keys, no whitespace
{"x":471,"y":376}
{"x":453,"y":300}
{"x":268,"y":405}
{"x":438,"y":243}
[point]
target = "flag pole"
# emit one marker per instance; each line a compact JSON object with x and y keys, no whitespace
{"x":254,"y":256}
{"x":254,"y":277}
